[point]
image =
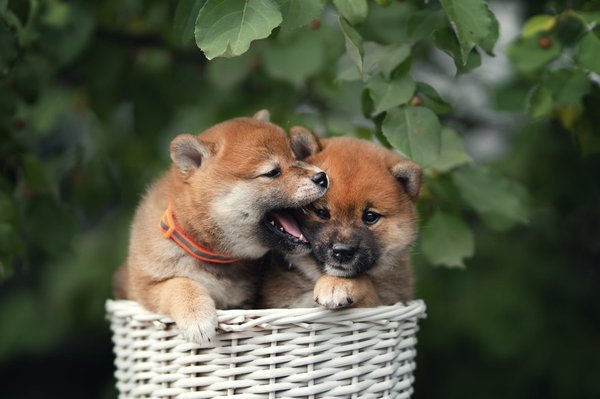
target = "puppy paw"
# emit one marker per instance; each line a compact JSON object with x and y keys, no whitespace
{"x":332,"y":293}
{"x":200,"y":326}
{"x":337,"y":293}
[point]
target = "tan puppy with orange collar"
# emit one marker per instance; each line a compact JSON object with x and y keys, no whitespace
{"x":361,"y":232}
{"x":200,"y":229}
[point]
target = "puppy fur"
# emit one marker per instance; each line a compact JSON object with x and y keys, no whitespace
{"x":224,"y":187}
{"x":361,"y":232}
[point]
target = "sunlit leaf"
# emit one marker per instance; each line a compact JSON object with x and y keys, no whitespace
{"x":538,"y":24}
{"x":225,"y":28}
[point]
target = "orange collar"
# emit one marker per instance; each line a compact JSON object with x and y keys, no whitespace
{"x":170,"y":230}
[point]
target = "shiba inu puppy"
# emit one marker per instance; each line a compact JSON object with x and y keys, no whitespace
{"x":200,"y":229}
{"x":361,"y":232}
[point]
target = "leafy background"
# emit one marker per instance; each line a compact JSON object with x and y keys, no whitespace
{"x":497,"y":101}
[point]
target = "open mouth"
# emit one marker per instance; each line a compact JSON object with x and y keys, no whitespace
{"x":282,"y":223}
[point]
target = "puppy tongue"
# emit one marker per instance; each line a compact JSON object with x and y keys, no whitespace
{"x":288,"y":223}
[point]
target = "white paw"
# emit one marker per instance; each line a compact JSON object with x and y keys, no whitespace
{"x":336,"y":297}
{"x":199,"y":327}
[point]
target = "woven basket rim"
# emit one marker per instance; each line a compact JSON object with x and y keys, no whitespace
{"x":246,"y":319}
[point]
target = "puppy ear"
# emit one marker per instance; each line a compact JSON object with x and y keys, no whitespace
{"x":409,"y":175}
{"x":304,"y":142}
{"x":263,"y":115}
{"x":188,"y":153}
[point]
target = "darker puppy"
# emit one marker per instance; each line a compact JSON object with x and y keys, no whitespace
{"x":200,"y":229}
{"x":361,"y":232}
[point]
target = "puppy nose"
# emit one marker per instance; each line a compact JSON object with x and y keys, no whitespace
{"x":320,"y":179}
{"x":343,"y":252}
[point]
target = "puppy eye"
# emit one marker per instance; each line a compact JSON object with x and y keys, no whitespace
{"x":273,"y":173}
{"x":321,"y":212}
{"x":370,"y":217}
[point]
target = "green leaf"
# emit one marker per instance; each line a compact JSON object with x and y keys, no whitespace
{"x":540,"y":102}
{"x":346,"y":69}
{"x":8,"y":48}
{"x":389,"y":94}
{"x":225,"y":28}
{"x":445,"y":40}
{"x":528,"y":56}
{"x":491,"y":194}
{"x":432,"y":100}
{"x":354,"y":44}
{"x":422,"y":23}
{"x":590,"y":17}
{"x":567,"y":86}
{"x":8,"y":211}
{"x":295,"y":59}
{"x":414,"y":131}
{"x":226,"y":73}
{"x":391,"y":57}
{"x":355,"y":11}
{"x":185,"y":19}
{"x":65,"y":43}
{"x":34,"y":173}
{"x":447,"y":240}
{"x":297,"y":13}
{"x":8,"y":237}
{"x":538,"y":24}
{"x":471,"y":22}
{"x":489,"y":42}
{"x":377,"y":58}
{"x":57,"y":15}
{"x":588,"y":52}
{"x":452,"y":153}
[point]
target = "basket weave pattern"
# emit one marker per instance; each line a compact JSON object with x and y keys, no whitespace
{"x":269,"y":353}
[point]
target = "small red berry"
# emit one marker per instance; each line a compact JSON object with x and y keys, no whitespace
{"x":416,"y":101}
{"x":315,"y":24}
{"x":545,"y":42}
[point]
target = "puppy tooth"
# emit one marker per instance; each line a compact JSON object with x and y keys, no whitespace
{"x":301,"y":237}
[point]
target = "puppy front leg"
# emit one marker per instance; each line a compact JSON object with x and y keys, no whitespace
{"x":338,"y":292}
{"x":188,"y":304}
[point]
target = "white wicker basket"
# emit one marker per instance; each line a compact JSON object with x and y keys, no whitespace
{"x":270,"y":353}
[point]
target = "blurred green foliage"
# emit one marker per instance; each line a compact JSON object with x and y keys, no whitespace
{"x":92,"y":92}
